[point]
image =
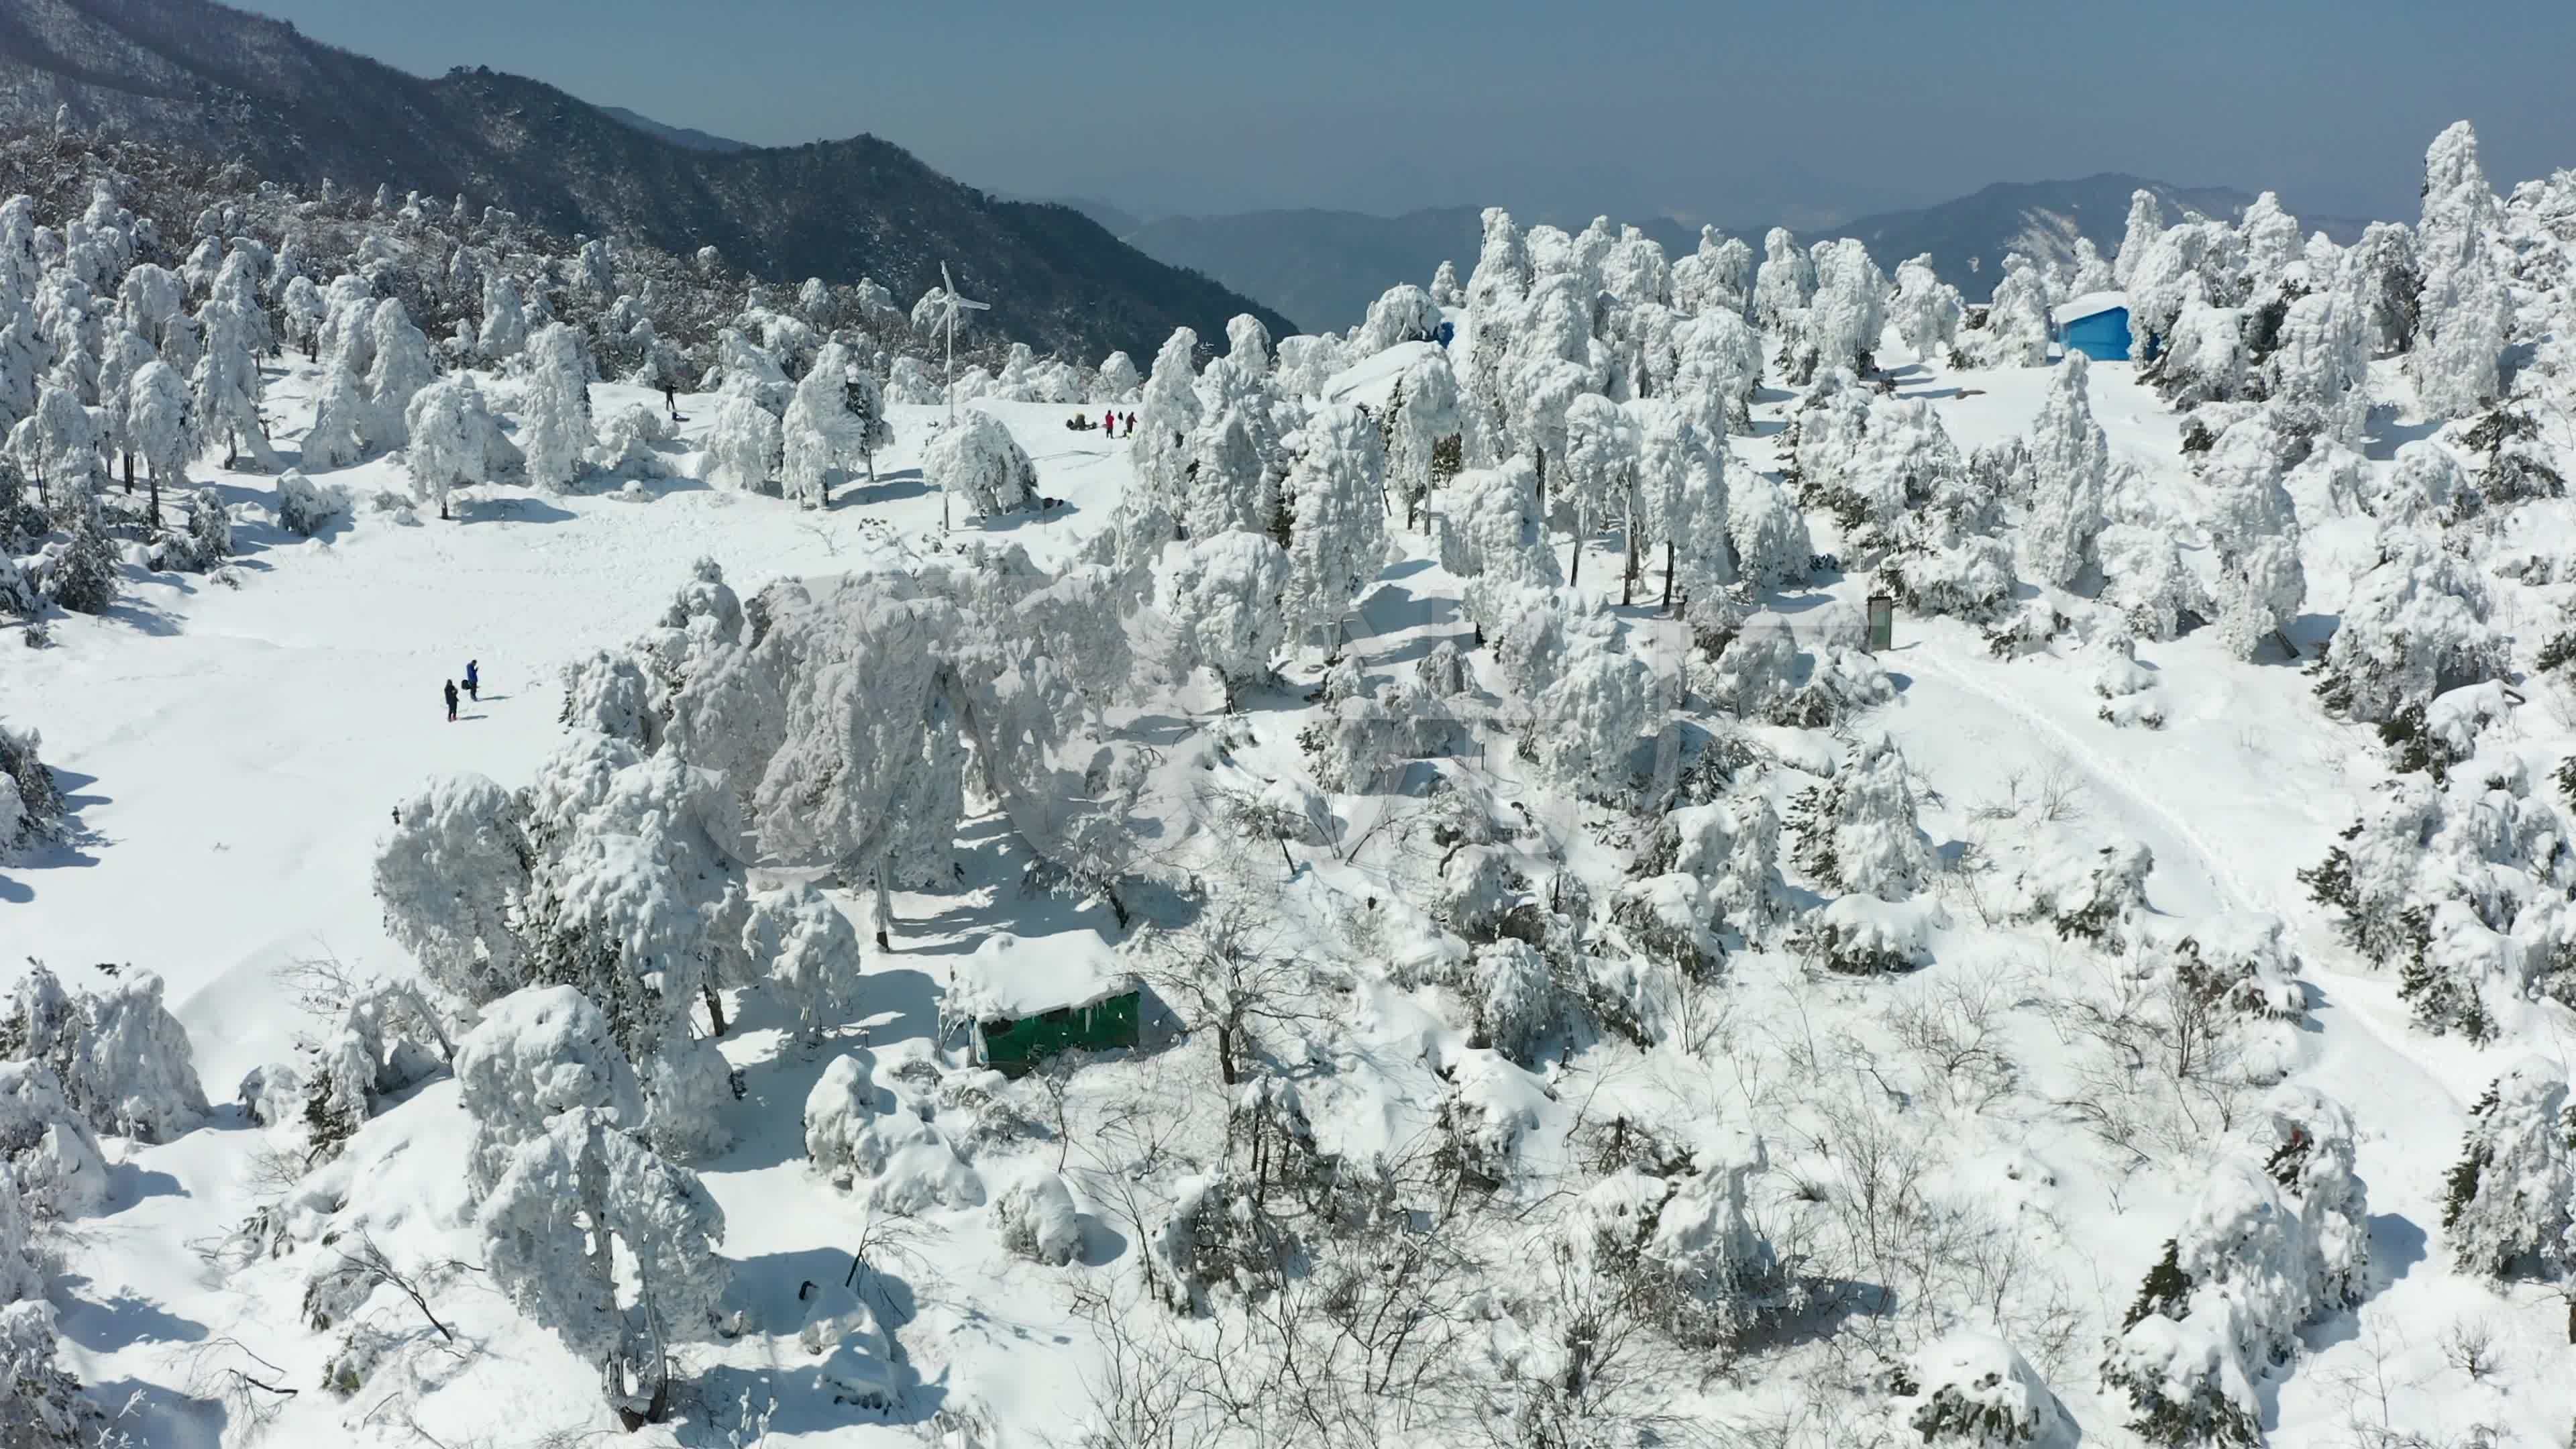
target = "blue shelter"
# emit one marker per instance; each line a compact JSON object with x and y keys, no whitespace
{"x":2096,"y":325}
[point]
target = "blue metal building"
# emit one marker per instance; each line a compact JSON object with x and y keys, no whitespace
{"x":2097,"y":326}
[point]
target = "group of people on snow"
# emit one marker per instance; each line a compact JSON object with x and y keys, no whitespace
{"x":473,"y":688}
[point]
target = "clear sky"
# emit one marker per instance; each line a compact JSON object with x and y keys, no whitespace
{"x":1797,"y":110}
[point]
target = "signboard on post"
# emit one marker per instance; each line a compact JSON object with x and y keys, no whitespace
{"x":1882,"y":622}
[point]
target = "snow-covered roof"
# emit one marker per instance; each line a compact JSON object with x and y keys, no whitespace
{"x":2086,"y":305}
{"x":1013,"y":976}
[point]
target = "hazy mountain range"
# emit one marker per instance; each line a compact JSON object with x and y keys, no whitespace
{"x":297,"y":111}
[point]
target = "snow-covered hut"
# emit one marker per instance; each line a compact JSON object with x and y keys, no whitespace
{"x":2095,"y":324}
{"x":1031,"y":998}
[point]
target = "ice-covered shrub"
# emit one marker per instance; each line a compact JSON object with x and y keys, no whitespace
{"x":31,"y":805}
{"x":121,"y":1058}
{"x":46,"y":1146}
{"x":540,"y":1053}
{"x":306,"y":508}
{"x":1977,"y":1392}
{"x":1036,"y":1219}
{"x":2507,"y":1204}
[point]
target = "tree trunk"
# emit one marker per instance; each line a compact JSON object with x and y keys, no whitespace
{"x":1628,"y":577}
{"x":1574,"y":575}
{"x":1668,"y":576}
{"x":715,"y":1004}
{"x":1225,"y":1053}
{"x":128,"y":456}
{"x":884,"y":906}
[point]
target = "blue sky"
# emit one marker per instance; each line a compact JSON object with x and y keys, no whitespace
{"x":1804,"y":111}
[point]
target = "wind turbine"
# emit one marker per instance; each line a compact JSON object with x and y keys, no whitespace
{"x":950,"y":304}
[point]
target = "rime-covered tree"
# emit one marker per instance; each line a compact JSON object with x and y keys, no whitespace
{"x":977,"y":460}
{"x":451,"y":877}
{"x":2016,"y":330}
{"x":1769,"y":534}
{"x":2069,"y":461}
{"x":1337,"y":540}
{"x":455,"y":440}
{"x":2146,"y":223}
{"x":1223,"y":594}
{"x":2319,"y":368}
{"x":2506,"y":1206}
{"x":1846,"y":315}
{"x":818,"y":431}
{"x":1422,"y":419}
{"x":1858,"y":832}
{"x":225,"y":386}
{"x":1116,"y":380}
{"x":2092,"y":273}
{"x":1681,"y":472}
{"x":554,"y":398}
{"x":400,"y":364}
{"x":743,"y":444}
{"x":601,"y":1241}
{"x":2379,"y":279}
{"x":162,"y":426}
{"x":1786,"y":280}
{"x":1598,"y":480}
{"x":2254,"y":528}
{"x":2415,"y":626}
{"x":1928,"y":310}
{"x":57,"y":448}
{"x":2462,"y":311}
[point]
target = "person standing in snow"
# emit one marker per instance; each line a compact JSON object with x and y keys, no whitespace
{"x":1109,"y":425}
{"x":473,"y":682}
{"x":451,"y":701}
{"x":1131,"y":425}
{"x":671,"y":397}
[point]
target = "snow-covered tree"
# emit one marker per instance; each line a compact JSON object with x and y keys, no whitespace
{"x":1403,"y":313}
{"x":811,"y":950}
{"x":1223,"y":594}
{"x":2319,"y":368}
{"x":2379,"y":279}
{"x":1845,"y":316}
{"x":226,"y":386}
{"x":1927,"y":311}
{"x":2506,"y":1206}
{"x":337,"y":437}
{"x":1599,"y":477}
{"x":57,"y":448}
{"x":2414,"y":627}
{"x":121,"y":1060}
{"x":1117,"y":380}
{"x":1681,"y":472}
{"x":554,"y":423}
{"x":1769,"y":534}
{"x":743,"y":444}
{"x":1337,"y":541}
{"x":611,"y":1248}
{"x":505,"y":319}
{"x":977,"y":460}
{"x":1423,"y":418}
{"x":1590,"y":717}
{"x":2273,"y":244}
{"x":2069,"y":461}
{"x":818,"y":432}
{"x":2146,"y":223}
{"x":2255,"y":529}
{"x":161,"y":426}
{"x":1445,"y":291}
{"x":2016,"y":330}
{"x":400,"y":365}
{"x":455,"y":440}
{"x":2092,"y":273}
{"x":1493,"y":536}
{"x":1858,"y":832}
{"x":2204,"y":357}
{"x":451,"y":877}
{"x":2462,"y":311}
{"x":1784,"y":283}
{"x":2204,"y":257}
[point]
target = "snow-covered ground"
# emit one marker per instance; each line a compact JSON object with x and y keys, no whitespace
{"x":232,"y":755}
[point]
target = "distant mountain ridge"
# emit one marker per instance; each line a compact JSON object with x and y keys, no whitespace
{"x":195,"y":73}
{"x":690,"y":137}
{"x":1323,"y":268}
